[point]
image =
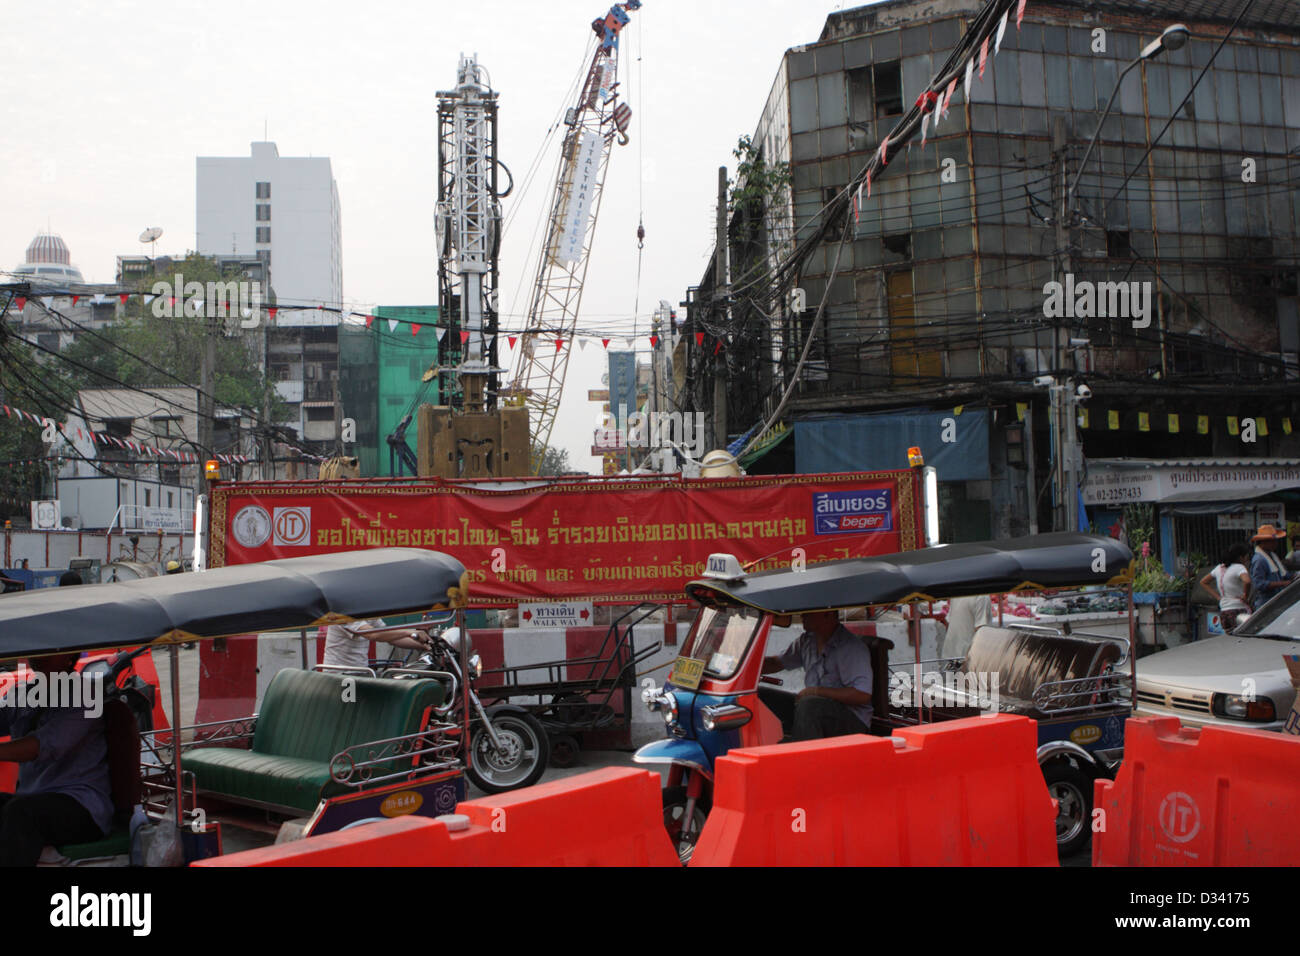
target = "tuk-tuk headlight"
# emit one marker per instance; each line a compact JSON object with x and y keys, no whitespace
{"x":668,"y":704}
{"x":475,"y":667}
{"x":1244,"y":708}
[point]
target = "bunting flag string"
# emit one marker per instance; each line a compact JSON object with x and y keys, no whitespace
{"x":1002,"y":28}
{"x":1020,"y":13}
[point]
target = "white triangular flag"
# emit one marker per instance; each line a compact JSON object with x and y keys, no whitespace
{"x":970,"y":68}
{"x":392,"y":325}
{"x":98,"y":298}
{"x":441,"y":332}
{"x":347,"y":312}
{"x":925,"y":121}
{"x":47,"y":301}
{"x":582,"y":345}
{"x":149,"y":298}
{"x":1002,"y":28}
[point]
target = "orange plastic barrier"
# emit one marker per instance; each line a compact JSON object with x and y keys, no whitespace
{"x":610,"y":817}
{"x":1212,"y":796}
{"x":964,"y":792}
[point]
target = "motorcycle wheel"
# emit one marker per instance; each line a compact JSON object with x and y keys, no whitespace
{"x":674,"y":812}
{"x":523,"y":756}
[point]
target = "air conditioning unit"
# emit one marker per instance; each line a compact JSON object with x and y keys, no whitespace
{"x":45,"y":516}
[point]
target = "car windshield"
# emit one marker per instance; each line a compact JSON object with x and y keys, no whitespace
{"x":720,"y":639}
{"x":1279,"y":618}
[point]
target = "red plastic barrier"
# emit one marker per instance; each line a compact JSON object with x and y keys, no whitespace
{"x":963,"y":792}
{"x":610,"y":817}
{"x":1212,"y":796}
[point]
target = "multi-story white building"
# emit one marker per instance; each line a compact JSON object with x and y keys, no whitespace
{"x":284,"y":210}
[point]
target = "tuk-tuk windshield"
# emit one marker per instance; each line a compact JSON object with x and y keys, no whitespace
{"x":720,"y":638}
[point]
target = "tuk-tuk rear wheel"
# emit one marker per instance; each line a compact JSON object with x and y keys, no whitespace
{"x":1071,"y":787}
{"x":674,"y":810}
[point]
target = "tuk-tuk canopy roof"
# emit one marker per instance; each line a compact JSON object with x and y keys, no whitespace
{"x":242,"y":599}
{"x":1059,"y":560}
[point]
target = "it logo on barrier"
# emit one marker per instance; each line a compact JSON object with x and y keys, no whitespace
{"x":292,"y":527}
{"x":1179,"y":817}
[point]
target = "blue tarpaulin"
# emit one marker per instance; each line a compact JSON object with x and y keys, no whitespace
{"x":956,"y":445}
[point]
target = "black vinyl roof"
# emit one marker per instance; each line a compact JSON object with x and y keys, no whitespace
{"x":242,"y":599}
{"x":1056,"y":560}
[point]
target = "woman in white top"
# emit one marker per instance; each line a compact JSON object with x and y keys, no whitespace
{"x":1230,"y":584}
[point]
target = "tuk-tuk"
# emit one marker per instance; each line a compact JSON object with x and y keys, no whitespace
{"x":1078,"y":686}
{"x":324,"y":751}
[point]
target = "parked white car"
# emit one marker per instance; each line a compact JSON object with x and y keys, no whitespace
{"x":1238,"y":680}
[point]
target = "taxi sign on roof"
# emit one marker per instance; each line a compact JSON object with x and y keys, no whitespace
{"x":725,"y":566}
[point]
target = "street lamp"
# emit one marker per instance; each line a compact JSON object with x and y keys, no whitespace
{"x":1173,"y":38}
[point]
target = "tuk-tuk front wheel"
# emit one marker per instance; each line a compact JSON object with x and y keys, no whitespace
{"x":683,"y":836}
{"x":1071,"y":787}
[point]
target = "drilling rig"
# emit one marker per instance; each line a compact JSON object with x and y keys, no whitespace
{"x":470,"y":436}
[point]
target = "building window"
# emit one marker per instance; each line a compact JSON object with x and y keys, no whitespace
{"x":263,"y":233}
{"x":263,"y":212}
{"x":263,"y":190}
{"x":875,"y":92}
{"x":148,"y":497}
{"x":1118,"y":245}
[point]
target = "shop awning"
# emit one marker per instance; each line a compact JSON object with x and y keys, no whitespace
{"x":1113,"y":482}
{"x":954,"y":441}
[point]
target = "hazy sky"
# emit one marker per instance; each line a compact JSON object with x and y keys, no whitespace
{"x":107,"y":104}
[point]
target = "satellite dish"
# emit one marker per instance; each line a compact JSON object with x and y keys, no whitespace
{"x":151,"y":234}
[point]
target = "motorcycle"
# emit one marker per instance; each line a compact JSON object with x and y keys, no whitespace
{"x":508,"y":747}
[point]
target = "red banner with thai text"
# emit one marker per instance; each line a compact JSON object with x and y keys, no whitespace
{"x":608,"y":539}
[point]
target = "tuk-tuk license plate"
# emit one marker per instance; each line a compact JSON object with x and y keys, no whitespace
{"x":687,"y":672}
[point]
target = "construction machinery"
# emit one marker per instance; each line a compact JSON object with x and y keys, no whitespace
{"x":594,"y":122}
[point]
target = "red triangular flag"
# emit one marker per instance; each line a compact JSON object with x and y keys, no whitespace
{"x":172,"y":301}
{"x":75,"y":299}
{"x":559,"y":344}
{"x":605,"y":342}
{"x":464,"y":338}
{"x":717,"y":348}
{"x":21,"y":302}
{"x":271,"y":311}
{"x":512,"y":339}
{"x":369,"y":319}
{"x":984,"y":55}
{"x":699,"y":340}
{"x":1020,"y":13}
{"x":122,"y":297}
{"x":415,"y":329}
{"x":654,"y":341}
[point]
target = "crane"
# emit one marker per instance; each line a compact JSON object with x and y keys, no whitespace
{"x":593,"y":124}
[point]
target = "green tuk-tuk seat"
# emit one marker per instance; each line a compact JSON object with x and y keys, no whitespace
{"x":305,"y":720}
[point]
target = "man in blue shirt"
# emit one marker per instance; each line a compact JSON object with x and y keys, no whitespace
{"x":63,"y":793}
{"x":1268,"y":574}
{"x":836,"y":698}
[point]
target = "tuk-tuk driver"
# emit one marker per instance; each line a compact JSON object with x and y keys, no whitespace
{"x":836,"y":699}
{"x":63,"y":793}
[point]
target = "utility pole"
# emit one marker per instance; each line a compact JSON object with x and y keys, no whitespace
{"x":207,"y":376}
{"x":1065,"y":446}
{"x":721,"y":291}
